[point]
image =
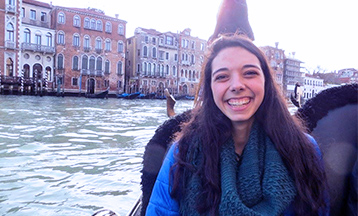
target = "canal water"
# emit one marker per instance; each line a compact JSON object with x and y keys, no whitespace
{"x":74,"y":156}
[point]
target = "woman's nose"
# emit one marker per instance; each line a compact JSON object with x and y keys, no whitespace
{"x":237,"y":84}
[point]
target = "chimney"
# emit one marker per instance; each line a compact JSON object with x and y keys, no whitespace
{"x":276,"y":44}
{"x":116,"y":15}
{"x":293,"y":54}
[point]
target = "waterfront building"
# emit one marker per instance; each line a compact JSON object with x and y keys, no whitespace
{"x":37,"y":48}
{"x":312,"y":86}
{"x":275,"y":57}
{"x":10,"y":80}
{"x":191,"y":53}
{"x":157,"y":60}
{"x":348,"y":75}
{"x":292,"y":74}
{"x":90,"y":51}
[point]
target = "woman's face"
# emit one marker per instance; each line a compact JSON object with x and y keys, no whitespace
{"x":237,"y":84}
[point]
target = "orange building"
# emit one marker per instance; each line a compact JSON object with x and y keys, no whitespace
{"x":90,"y":51}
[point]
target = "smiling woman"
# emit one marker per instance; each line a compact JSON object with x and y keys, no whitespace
{"x":240,"y":112}
{"x":238,"y":86}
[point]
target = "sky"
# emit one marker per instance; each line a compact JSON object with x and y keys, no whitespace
{"x":321,"y":33}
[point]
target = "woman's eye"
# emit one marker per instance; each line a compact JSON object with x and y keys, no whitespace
{"x":251,"y":73}
{"x":220,"y":77}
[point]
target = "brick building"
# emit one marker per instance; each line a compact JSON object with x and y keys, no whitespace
{"x":10,"y":80}
{"x":90,"y":51}
{"x":191,"y":53}
{"x":275,"y":57}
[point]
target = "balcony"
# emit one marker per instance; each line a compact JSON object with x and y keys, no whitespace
{"x":98,"y":50}
{"x":10,"y":45}
{"x":37,"y":48}
{"x":87,"y":72}
{"x":10,"y":8}
{"x":86,"y":49}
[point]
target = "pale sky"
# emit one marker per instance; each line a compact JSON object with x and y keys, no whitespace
{"x":321,"y":32}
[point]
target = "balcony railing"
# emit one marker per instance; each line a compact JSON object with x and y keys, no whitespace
{"x":37,"y":48}
{"x":10,"y":44}
{"x":86,"y":49}
{"x":98,"y":50}
{"x":87,"y":72}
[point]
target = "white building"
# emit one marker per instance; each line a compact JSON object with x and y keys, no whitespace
{"x":312,"y":86}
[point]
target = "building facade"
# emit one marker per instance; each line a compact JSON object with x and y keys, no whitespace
{"x":10,"y":79}
{"x":157,"y":60}
{"x":292,"y":74}
{"x":37,"y":47}
{"x":191,"y":53}
{"x":312,"y":86}
{"x":275,"y":57}
{"x":90,"y":51}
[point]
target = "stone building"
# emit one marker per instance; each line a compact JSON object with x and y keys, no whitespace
{"x":90,"y":51}
{"x":37,"y":47}
{"x":276,"y":58}
{"x":312,"y":86}
{"x":156,"y":61}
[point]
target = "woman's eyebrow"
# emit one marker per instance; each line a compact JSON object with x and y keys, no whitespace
{"x":219,"y":70}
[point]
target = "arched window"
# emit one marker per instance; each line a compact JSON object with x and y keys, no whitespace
{"x":10,"y":32}
{"x":149,"y":68}
{"x":98,"y":43}
{"x":76,"y":21}
{"x":87,"y":23}
{"x":93,"y":24}
{"x":119,"y":68}
{"x":27,"y":35}
{"x":99,"y":25}
{"x":38,"y":38}
{"x":154,"y":67}
{"x":60,"y":61}
{"x":145,"y":51}
{"x":49,"y":39}
{"x":10,"y":67}
{"x":76,"y":40}
{"x":120,"y":29}
{"x":108,"y":27}
{"x":99,"y":63}
{"x":84,"y":62}
{"x":108,"y":45}
{"x":75,"y":63}
{"x":154,"y":52}
{"x":92,"y":62}
{"x":86,"y":41}
{"x":167,"y":69}
{"x":120,"y":46}
{"x":174,"y":71}
{"x":106,"y":66}
{"x":61,"y":18}
{"x":61,"y":38}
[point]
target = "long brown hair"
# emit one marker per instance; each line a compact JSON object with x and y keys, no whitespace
{"x":212,"y":128}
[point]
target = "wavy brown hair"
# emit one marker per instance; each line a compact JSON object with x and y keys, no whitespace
{"x":212,"y":128}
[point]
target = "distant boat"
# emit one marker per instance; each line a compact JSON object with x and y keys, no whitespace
{"x":128,"y":96}
{"x":147,"y":96}
{"x":102,"y":95}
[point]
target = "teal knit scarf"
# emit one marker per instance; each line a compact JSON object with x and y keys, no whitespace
{"x":261,"y":185}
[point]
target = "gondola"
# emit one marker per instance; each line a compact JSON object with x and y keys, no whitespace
{"x":102,"y":95}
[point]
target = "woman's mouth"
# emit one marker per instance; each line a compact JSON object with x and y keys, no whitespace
{"x":239,"y":102}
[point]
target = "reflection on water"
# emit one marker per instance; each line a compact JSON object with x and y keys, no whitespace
{"x":73,"y":156}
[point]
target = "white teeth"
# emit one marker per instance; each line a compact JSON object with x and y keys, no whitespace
{"x":241,"y":102}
